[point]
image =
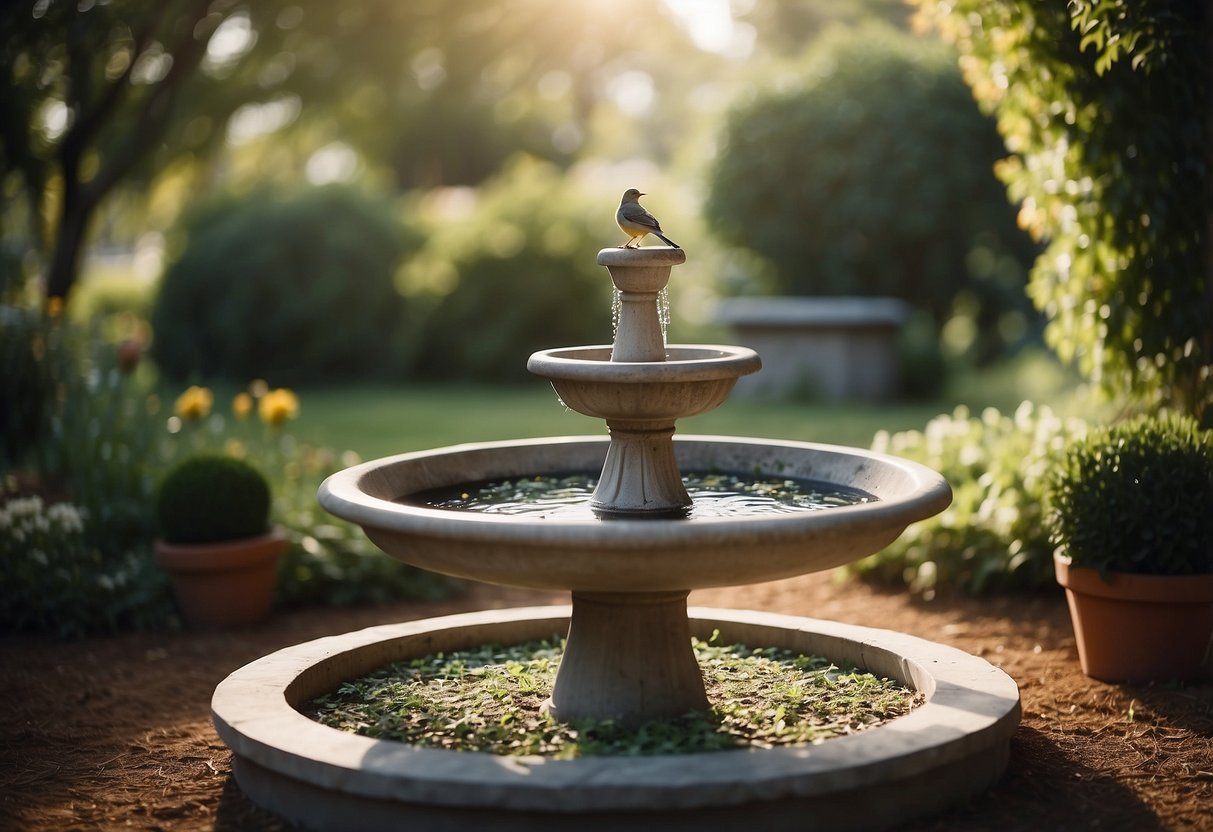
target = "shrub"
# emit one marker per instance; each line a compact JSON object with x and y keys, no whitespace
{"x":872,"y":175}
{"x":211,"y":497}
{"x":27,"y":380}
{"x":57,"y":580}
{"x":518,"y":274}
{"x":298,"y":287}
{"x":992,"y":537}
{"x":1136,"y":497}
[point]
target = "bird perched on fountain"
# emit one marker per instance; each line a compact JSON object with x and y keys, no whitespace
{"x":636,"y":222}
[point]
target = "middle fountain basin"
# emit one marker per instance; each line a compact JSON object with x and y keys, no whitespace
{"x":631,"y":555}
{"x":693,"y":379}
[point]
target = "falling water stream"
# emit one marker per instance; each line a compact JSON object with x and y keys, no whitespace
{"x":663,"y":312}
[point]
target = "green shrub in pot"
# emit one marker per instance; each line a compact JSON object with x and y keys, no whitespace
{"x":211,"y":497}
{"x":1136,"y":497}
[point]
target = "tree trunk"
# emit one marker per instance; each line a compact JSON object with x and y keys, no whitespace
{"x":69,"y":241}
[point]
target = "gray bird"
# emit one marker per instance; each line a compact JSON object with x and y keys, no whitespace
{"x":636,"y":222}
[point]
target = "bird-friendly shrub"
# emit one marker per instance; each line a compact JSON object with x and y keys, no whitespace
{"x":1136,"y":497}
{"x":211,"y":497}
{"x":992,"y":538}
{"x":296,"y":286}
{"x":871,"y":174}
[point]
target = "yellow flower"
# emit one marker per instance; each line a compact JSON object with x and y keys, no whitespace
{"x":242,"y":405}
{"x":277,"y":406}
{"x":195,"y":403}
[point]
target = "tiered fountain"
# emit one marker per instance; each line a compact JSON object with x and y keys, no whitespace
{"x":629,"y":560}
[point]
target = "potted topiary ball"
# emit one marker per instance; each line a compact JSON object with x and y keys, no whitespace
{"x":1131,"y":514}
{"x":216,"y":541}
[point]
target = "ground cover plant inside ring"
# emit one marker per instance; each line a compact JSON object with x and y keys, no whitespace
{"x":488,"y":699}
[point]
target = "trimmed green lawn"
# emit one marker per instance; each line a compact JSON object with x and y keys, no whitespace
{"x":377,"y":421}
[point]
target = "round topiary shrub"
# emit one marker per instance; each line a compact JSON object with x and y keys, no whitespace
{"x":872,"y":174}
{"x":297,"y":286}
{"x":1136,"y":497}
{"x":210,"y":497}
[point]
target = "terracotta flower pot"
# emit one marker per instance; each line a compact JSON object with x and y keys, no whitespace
{"x":1138,"y":628}
{"x":226,"y":584}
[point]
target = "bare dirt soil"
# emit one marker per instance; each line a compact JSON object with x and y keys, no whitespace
{"x":112,"y":733}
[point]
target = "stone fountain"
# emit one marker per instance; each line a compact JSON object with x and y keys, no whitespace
{"x":629,"y":564}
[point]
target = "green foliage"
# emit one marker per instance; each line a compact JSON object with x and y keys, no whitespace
{"x":103,"y":446}
{"x":209,"y":497}
{"x":294,"y":286}
{"x":871,"y":175}
{"x":56,"y":579}
{"x":1136,"y":497}
{"x":1104,"y":106}
{"x":329,"y":561}
{"x":76,"y":555}
{"x":515,"y":275}
{"x":27,"y":380}
{"x":489,"y":699}
{"x":992,"y":537}
{"x":102,"y":440}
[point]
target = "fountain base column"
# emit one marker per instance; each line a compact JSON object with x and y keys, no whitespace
{"x":628,"y":659}
{"x":640,"y":475}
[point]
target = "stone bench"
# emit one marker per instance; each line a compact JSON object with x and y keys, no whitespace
{"x":833,"y":348}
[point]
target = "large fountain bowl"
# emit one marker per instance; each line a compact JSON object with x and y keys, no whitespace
{"x":631,"y":555}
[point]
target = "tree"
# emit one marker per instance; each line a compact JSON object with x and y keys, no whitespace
{"x":1105,"y":107}
{"x":98,"y":95}
{"x":872,"y":175}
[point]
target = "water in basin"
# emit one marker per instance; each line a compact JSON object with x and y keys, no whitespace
{"x":713,"y":494}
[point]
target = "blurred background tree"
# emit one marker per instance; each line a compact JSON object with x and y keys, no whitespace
{"x":101,"y":95}
{"x":262,"y":280}
{"x":871,"y":174}
{"x":510,"y":277}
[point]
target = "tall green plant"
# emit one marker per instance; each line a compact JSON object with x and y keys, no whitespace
{"x":1104,"y":105}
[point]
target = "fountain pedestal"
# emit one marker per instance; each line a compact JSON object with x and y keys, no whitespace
{"x":628,"y":659}
{"x":629,"y":656}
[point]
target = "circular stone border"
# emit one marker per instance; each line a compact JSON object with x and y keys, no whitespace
{"x":953,"y":746}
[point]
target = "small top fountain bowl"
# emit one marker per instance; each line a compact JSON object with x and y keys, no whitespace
{"x":631,"y":555}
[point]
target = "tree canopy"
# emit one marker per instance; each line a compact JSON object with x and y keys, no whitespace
{"x":101,"y":94}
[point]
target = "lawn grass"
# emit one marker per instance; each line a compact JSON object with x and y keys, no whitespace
{"x":380,"y":420}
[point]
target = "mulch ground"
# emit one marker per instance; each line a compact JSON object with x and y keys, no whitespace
{"x":113,"y":733}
